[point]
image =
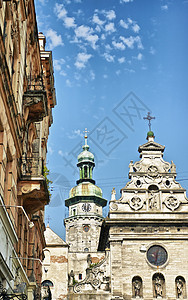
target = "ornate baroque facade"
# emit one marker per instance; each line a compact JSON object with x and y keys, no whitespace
{"x":143,"y":243}
{"x":27,"y":96}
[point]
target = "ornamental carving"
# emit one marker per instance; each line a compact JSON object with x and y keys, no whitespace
{"x":153,"y":171}
{"x":136,"y":203}
{"x":113,"y":206}
{"x":94,"y":276}
{"x":172,"y":202}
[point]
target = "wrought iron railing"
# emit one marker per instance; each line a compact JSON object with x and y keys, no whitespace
{"x":35,"y":83}
{"x":31,"y":166}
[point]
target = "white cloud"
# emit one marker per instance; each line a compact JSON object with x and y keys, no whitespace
{"x":130,"y":41}
{"x":110,"y":27}
{"x":108,"y":47}
{"x":121,"y":60}
{"x":69,"y":22}
{"x":110,"y":14}
{"x":118,"y":72}
{"x":152,"y":50}
{"x":60,"y":11}
{"x":98,"y":28}
{"x":130,"y":21}
{"x":60,"y":152}
{"x":164,"y":7}
{"x":123,"y":24}
{"x":105,"y":76}
{"x":140,"y":56}
{"x":92,"y":75}
{"x":55,"y":39}
{"x":75,"y":133}
{"x":68,"y":83}
{"x":82,"y":59}
{"x":119,"y":46}
{"x":50,"y":150}
{"x":125,"y":1}
{"x":136,"y":28}
{"x":58,"y":63}
{"x":108,"y":57}
{"x":63,"y":73}
{"x":86,"y":33}
{"x":97,"y":21}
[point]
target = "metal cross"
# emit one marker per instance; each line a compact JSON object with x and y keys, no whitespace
{"x":48,"y":219}
{"x":85,"y":136}
{"x":149,"y":118}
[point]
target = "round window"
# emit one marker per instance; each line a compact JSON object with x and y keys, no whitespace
{"x":157,"y":255}
{"x":86,"y":228}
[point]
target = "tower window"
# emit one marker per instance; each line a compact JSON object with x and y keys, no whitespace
{"x":80,"y":276}
{"x":73,"y":211}
{"x":85,"y":172}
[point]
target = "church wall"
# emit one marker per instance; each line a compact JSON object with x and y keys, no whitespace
{"x":55,"y":269}
{"x":129,"y":260}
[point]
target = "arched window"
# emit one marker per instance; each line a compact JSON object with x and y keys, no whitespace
{"x":47,"y":257}
{"x":158,"y":285}
{"x":85,"y":172}
{"x":47,"y":283}
{"x":137,"y":290}
{"x":180,"y":287}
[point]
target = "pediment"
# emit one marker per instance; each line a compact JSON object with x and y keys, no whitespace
{"x":151,"y":146}
{"x":53,"y":239}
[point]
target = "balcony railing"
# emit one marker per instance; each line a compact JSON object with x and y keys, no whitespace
{"x":32,"y":166}
{"x":35,"y":99}
{"x":35,"y":83}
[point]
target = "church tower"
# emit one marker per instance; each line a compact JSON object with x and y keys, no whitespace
{"x":85,"y":205}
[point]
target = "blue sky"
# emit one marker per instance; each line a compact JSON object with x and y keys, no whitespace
{"x":114,"y":61}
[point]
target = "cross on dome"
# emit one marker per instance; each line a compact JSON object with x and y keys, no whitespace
{"x":149,"y":118}
{"x":86,"y":136}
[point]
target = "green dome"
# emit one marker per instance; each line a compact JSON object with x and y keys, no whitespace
{"x":150,"y":134}
{"x":85,"y":189}
{"x":85,"y":155}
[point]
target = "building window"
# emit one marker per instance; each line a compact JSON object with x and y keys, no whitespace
{"x":80,"y":276}
{"x":73,"y":211}
{"x":47,"y":283}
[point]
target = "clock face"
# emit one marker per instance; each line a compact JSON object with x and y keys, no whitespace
{"x":86,"y":207}
{"x":157,"y":255}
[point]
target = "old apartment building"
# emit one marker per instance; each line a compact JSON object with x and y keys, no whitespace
{"x":139,"y":251}
{"x":27,"y":97}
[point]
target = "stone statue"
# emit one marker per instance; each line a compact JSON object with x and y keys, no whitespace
{"x":152,"y":201}
{"x":179,"y":286}
{"x":173,"y":167}
{"x":131,"y":166}
{"x":46,"y":293}
{"x":89,"y":260}
{"x":113,"y":196}
{"x":158,"y":287}
{"x":71,"y":277}
{"x":137,"y":288}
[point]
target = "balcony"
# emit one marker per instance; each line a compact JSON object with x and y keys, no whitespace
{"x":32,"y":188}
{"x":35,"y":99}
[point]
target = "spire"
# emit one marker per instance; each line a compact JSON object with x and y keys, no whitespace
{"x":150,"y":134}
{"x":86,"y":146}
{"x":86,"y":162}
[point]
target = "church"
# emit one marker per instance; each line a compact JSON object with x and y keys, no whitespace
{"x":139,"y":251}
